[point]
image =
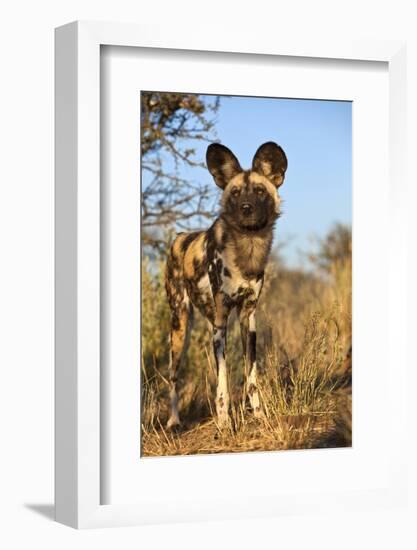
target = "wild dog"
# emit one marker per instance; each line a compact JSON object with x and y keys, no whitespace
{"x":223,"y":267}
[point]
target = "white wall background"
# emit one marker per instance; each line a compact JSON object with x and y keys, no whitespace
{"x":26,"y":268}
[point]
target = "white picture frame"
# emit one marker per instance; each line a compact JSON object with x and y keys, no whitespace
{"x":78,"y":405}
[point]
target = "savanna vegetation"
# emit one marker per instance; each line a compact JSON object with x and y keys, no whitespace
{"x":304,"y":356}
{"x":303,"y":318}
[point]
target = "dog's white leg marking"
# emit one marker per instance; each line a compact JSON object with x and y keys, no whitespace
{"x":222,"y":395}
{"x":252,"y":382}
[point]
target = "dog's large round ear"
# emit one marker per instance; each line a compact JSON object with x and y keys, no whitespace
{"x":270,"y":161}
{"x":222,"y":164}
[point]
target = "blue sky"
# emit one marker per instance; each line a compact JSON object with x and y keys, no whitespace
{"x":317,"y":138}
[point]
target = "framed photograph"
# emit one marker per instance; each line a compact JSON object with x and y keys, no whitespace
{"x":228,"y":322}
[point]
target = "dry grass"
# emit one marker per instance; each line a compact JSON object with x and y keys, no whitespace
{"x":304,"y":342}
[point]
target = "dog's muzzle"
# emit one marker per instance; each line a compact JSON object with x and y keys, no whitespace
{"x":246,"y":209}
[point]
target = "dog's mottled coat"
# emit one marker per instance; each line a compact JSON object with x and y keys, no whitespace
{"x":222,"y":268}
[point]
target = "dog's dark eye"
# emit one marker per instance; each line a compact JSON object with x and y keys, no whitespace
{"x":260,"y":190}
{"x":235,"y":191}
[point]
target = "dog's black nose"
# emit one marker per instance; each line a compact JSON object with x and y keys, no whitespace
{"x":246,"y":208}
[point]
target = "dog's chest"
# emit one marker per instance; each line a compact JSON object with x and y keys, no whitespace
{"x":223,"y":277}
{"x":230,"y":279}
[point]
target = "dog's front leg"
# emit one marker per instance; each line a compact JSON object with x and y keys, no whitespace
{"x":248,"y":331}
{"x":222,"y":394}
{"x":222,"y":311}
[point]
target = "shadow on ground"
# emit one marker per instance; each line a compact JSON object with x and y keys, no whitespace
{"x":45,"y":510}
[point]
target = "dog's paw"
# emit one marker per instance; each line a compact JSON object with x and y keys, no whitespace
{"x":173,"y":424}
{"x":258,"y":412}
{"x":224,"y":426}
